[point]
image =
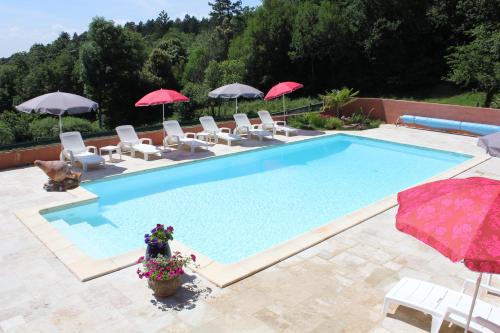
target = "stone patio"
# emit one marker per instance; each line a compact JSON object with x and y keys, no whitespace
{"x":336,"y":286}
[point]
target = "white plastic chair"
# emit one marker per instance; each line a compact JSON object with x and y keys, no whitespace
{"x":269,"y":123}
{"x":176,"y":134}
{"x":243,"y":126}
{"x":129,"y":141}
{"x":75,"y":151}
{"x":445,"y":304}
{"x":211,"y":129}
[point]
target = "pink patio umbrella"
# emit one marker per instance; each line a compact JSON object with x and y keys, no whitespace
{"x":282,"y":89}
{"x":162,"y":96}
{"x":459,"y":218}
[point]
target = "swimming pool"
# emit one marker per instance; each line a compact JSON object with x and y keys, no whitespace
{"x":232,"y":207}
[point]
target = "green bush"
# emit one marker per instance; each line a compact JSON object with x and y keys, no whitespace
{"x":44,"y":128}
{"x":18,"y":123}
{"x":81,"y":125}
{"x":48,"y":127}
{"x":375,"y":123}
{"x":316,"y":121}
{"x":300,"y":121}
{"x":333,"y":123}
{"x":6,"y":135}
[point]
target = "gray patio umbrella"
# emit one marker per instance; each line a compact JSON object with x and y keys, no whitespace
{"x":235,"y":90}
{"x":491,"y":143}
{"x":58,"y":104}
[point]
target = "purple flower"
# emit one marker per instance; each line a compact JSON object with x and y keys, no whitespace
{"x":193,"y":257}
{"x":170,"y":229}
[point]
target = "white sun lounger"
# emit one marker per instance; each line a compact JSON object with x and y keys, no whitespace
{"x":268,"y":123}
{"x":243,"y":126}
{"x":75,"y":151}
{"x":211,"y":129}
{"x":177,"y":135}
{"x":129,"y":141}
{"x":444,"y":304}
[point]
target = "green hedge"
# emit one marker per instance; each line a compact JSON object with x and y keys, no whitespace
{"x":48,"y":127}
{"x":6,"y":135}
{"x":19,"y":123}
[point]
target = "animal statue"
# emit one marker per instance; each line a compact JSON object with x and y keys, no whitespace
{"x":61,"y":178}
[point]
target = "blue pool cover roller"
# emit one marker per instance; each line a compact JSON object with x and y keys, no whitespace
{"x":445,"y":124}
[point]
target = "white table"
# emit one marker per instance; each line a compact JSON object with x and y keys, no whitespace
{"x":205,"y":136}
{"x":110,"y":150}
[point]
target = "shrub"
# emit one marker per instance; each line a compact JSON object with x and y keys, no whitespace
{"x":333,"y":123}
{"x":44,"y":128}
{"x":83,"y":126}
{"x":335,"y":99}
{"x":6,"y":135}
{"x":300,"y":121}
{"x":375,"y":123}
{"x":48,"y":127}
{"x":316,"y":121}
{"x":19,"y":123}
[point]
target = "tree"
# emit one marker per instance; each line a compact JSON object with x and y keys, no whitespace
{"x":207,"y":47}
{"x":226,"y":72}
{"x":111,"y":61}
{"x":226,"y":16}
{"x":165,"y":63}
{"x":477,"y":63}
{"x":265,"y":44}
{"x":224,"y":9}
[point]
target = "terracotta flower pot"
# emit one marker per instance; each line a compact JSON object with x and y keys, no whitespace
{"x":165,"y":288}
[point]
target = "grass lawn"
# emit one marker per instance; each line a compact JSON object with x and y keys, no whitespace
{"x":465,"y":99}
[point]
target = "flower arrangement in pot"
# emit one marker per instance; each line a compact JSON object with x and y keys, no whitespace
{"x":164,"y":274}
{"x":157,"y":241}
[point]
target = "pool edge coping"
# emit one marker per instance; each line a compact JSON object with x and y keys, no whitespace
{"x":86,"y":268}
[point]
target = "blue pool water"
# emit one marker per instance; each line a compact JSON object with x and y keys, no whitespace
{"x":231,"y":207}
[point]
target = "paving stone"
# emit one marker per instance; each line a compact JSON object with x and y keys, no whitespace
{"x":335,"y":286}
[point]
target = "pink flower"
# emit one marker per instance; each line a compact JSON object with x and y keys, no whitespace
{"x":141,"y":259}
{"x":170,"y":229}
{"x":193,"y":257}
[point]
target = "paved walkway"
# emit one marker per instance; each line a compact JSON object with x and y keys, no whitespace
{"x":336,"y":286}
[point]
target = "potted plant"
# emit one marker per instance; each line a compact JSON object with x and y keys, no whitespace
{"x":164,"y":274}
{"x":157,"y":241}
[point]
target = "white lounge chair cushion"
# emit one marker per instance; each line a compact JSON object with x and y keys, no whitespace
{"x":261,"y":132}
{"x":145,"y":148}
{"x":193,"y":142}
{"x":281,"y":128}
{"x":229,"y":137}
{"x":89,"y":157}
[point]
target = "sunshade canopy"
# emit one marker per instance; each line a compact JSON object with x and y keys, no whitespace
{"x":162,"y":96}
{"x":236,"y":90}
{"x":458,"y":217}
{"x":491,"y":143}
{"x":281,"y":89}
{"x":58,"y":103}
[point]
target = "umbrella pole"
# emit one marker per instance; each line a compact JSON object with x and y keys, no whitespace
{"x":284,"y":108}
{"x":478,"y":283}
{"x":163,"y":112}
{"x":60,"y":124}
{"x":236,"y":104}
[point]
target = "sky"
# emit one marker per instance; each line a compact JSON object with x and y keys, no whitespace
{"x":25,"y":22}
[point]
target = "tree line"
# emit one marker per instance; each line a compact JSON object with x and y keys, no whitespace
{"x":376,"y":46}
